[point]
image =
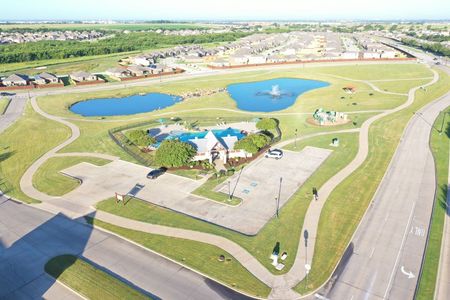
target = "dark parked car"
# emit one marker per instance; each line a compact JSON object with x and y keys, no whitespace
{"x":156,"y":173}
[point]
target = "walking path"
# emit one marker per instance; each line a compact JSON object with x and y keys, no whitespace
{"x":281,"y":284}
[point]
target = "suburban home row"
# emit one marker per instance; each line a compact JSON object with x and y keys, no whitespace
{"x":22,"y":80}
{"x":139,"y":71}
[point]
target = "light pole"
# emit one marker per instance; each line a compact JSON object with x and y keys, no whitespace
{"x":229,"y":190}
{"x":277,"y":199}
{"x":307,"y":266}
{"x":295,"y":140}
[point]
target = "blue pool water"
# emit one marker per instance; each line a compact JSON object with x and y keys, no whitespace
{"x":124,"y":106}
{"x":255,"y":96}
{"x":186,"y":136}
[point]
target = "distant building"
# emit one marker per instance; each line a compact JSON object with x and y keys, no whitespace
{"x":16,"y":80}
{"x":118,"y":72}
{"x":82,"y":76}
{"x":46,"y":78}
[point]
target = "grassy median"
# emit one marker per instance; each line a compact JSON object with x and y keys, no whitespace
{"x":49,"y":179}
{"x":89,"y":281}
{"x":199,"y":256}
{"x":348,"y":202}
{"x":440,"y":148}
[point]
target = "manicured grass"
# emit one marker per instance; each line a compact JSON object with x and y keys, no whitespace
{"x":402,"y":86}
{"x":4,"y":102}
{"x":22,"y":143}
{"x":207,"y":190}
{"x":285,"y":229}
{"x":440,"y":148}
{"x":348,"y":202}
{"x":199,"y":256}
{"x":88,"y":280}
{"x":49,"y":179}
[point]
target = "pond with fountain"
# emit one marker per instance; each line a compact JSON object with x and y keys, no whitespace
{"x":271,"y":95}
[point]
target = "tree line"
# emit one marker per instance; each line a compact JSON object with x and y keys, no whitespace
{"x":122,"y":42}
{"x":435,"y":48}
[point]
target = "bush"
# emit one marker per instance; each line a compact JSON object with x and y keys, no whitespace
{"x":140,"y":138}
{"x":266,"y":124}
{"x":253,"y":143}
{"x":174,"y":153}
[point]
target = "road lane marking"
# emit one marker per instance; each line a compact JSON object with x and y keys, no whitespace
{"x":409,"y":274}
{"x":391,"y":277}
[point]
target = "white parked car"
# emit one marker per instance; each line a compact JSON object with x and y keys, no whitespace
{"x":274,"y":153}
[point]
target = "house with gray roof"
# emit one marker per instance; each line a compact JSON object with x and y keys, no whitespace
{"x":46,"y":78}
{"x":16,"y":80}
{"x":82,"y":76}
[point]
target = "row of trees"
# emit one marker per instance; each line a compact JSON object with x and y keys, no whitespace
{"x":12,"y":53}
{"x":435,"y":48}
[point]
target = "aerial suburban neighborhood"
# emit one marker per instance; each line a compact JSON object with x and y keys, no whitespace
{"x":278,"y":150}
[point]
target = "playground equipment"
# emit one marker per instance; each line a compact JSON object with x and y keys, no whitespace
{"x":329,"y":117}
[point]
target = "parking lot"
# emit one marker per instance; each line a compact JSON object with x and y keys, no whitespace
{"x":267,"y":178}
{"x":258,"y":185}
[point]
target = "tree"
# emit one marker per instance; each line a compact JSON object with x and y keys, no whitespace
{"x":266,"y":124}
{"x":174,"y":153}
{"x":252,"y":143}
{"x":141,"y":138}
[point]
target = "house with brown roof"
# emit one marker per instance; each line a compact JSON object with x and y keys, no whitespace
{"x":82,"y":76}
{"x":46,"y":78}
{"x":16,"y":80}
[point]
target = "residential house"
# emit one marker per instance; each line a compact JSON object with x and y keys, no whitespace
{"x":139,"y":70}
{"x":46,"y":78}
{"x":16,"y":80}
{"x":82,"y":76}
{"x":118,"y":72}
{"x":142,"y":61}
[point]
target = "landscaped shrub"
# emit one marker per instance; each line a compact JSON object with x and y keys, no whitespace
{"x":140,"y":138}
{"x":174,"y":153}
{"x":266,"y":124}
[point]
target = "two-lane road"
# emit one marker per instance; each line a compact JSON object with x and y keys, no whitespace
{"x":390,"y":241}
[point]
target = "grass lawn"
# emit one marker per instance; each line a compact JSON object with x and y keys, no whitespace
{"x":199,"y":256}
{"x":291,"y":215}
{"x":22,"y":143}
{"x":4,"y":102}
{"x":348,"y":202}
{"x":49,"y":179}
{"x":440,"y":148}
{"x":89,"y":281}
{"x":400,"y":86}
{"x":207,"y":190}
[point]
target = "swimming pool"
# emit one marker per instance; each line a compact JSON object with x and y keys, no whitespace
{"x":271,"y":95}
{"x":185,"y":136}
{"x":124,"y":106}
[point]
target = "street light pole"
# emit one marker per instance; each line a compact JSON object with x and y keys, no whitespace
{"x":295,"y":140}
{"x":229,"y":190}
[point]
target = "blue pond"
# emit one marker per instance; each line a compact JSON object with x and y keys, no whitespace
{"x":271,"y":95}
{"x":124,"y":106}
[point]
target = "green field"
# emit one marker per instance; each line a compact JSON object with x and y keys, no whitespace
{"x":4,"y":102}
{"x":89,"y":281}
{"x":49,"y":179}
{"x":440,"y":148}
{"x":199,"y":256}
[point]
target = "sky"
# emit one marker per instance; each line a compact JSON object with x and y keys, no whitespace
{"x":224,"y":9}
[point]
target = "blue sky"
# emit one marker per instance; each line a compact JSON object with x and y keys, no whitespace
{"x":223,"y":9}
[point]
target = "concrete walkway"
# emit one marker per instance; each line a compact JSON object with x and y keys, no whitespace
{"x":13,"y":112}
{"x":281,"y":285}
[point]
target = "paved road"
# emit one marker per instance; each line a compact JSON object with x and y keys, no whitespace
{"x":390,"y":241}
{"x":13,"y":112}
{"x":30,"y":237}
